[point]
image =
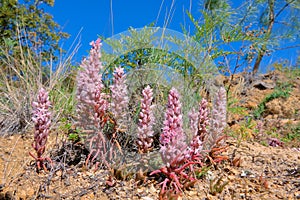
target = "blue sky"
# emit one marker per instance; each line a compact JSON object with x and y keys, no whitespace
{"x":109,"y":17}
{"x":94,"y":17}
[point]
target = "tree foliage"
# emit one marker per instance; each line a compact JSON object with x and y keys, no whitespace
{"x":241,"y":36}
{"x":25,"y":23}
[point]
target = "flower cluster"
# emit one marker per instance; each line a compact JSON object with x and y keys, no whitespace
{"x":41,"y":118}
{"x":274,"y":142}
{"x":215,"y":140}
{"x":203,"y":121}
{"x":108,"y":116}
{"x":146,"y":121}
{"x":98,"y":141}
{"x":198,"y":123}
{"x":119,"y":97}
{"x":218,"y":117}
{"x":180,"y":159}
{"x":172,"y":139}
{"x":93,"y":103}
{"x":177,"y":156}
{"x":101,"y":105}
{"x":89,"y":83}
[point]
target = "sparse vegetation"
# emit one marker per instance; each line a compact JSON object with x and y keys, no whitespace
{"x":282,"y":90}
{"x":152,"y":122}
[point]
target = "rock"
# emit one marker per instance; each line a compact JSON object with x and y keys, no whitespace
{"x":255,"y":97}
{"x":231,"y":177}
{"x":219,"y":80}
{"x":297,"y":195}
{"x":263,"y":85}
{"x":1,"y":187}
{"x":251,"y":104}
{"x":58,"y":173}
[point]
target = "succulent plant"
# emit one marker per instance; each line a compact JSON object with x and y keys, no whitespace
{"x":93,"y":103}
{"x":181,"y":159}
{"x":41,"y":117}
{"x":175,"y":153}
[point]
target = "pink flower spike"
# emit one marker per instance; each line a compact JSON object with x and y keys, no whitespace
{"x":93,"y":103}
{"x":218,"y":117}
{"x":42,"y":122}
{"x":172,"y":139}
{"x":89,"y":82}
{"x":119,"y":96}
{"x":146,"y":121}
{"x":198,"y":123}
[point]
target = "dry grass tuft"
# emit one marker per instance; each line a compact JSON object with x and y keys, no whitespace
{"x":21,"y":76}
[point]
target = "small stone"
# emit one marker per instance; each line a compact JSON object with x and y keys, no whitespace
{"x":1,"y":187}
{"x":88,"y":196}
{"x":139,"y":190}
{"x":30,"y":192}
{"x":152,"y":189}
{"x":9,"y":195}
{"x":231,"y":177}
{"x":58,"y":173}
{"x":22,"y":194}
{"x":243,"y":174}
{"x":193,"y":193}
{"x":147,"y":198}
{"x":210,"y":175}
{"x":234,"y":171}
